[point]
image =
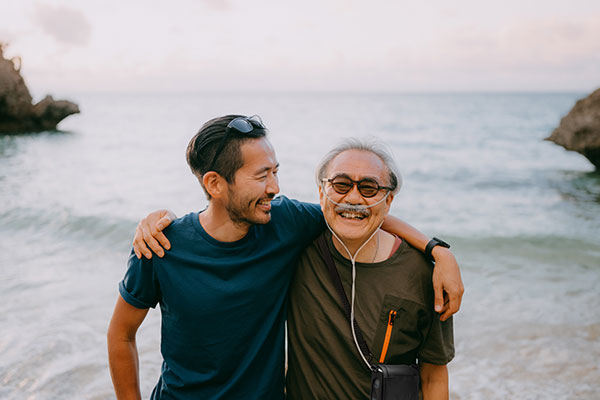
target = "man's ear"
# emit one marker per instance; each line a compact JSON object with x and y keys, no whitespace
{"x":214,"y":184}
{"x":321,"y":196}
{"x":388,"y":201}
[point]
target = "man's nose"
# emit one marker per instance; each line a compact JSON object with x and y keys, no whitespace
{"x":354,"y":196}
{"x":272,"y":184}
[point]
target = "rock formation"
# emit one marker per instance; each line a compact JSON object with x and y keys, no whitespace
{"x":17,"y":113}
{"x":579,"y":130}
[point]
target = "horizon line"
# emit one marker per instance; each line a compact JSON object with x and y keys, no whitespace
{"x":320,"y":92}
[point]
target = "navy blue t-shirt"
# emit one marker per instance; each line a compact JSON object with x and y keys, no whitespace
{"x":223,"y":304}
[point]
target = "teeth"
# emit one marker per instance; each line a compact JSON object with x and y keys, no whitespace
{"x":352,"y":215}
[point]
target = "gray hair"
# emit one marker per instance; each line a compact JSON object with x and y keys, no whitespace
{"x":371,"y":146}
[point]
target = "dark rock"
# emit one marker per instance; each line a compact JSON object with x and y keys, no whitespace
{"x":579,"y":130}
{"x":17,"y":113}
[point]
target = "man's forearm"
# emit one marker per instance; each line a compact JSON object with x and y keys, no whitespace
{"x":407,"y":232}
{"x":124,"y":367}
{"x":413,"y":236}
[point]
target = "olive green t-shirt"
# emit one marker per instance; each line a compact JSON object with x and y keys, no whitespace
{"x":323,"y":362}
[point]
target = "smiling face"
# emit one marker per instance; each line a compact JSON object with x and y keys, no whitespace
{"x":354,"y":227}
{"x":255,"y":184}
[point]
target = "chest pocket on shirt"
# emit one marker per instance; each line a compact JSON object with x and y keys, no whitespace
{"x":402,"y":328}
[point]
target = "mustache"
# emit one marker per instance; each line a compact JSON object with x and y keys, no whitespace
{"x":354,"y":208}
{"x":267,"y":197}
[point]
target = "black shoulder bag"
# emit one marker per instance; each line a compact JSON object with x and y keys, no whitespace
{"x":388,"y":382}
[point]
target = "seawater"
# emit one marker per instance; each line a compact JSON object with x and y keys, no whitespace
{"x":522,"y":215}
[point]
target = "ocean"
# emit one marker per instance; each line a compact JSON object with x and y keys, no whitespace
{"x":522,"y":215}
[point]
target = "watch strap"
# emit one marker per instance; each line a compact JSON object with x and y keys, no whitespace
{"x":432,"y":243}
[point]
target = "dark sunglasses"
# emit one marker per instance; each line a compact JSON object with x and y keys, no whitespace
{"x":240,"y":125}
{"x":366,"y":187}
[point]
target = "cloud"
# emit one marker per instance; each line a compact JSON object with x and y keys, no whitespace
{"x":66,"y":25}
{"x":555,"y":43}
{"x":525,"y":44}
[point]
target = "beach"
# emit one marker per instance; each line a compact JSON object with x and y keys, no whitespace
{"x":522,"y":216}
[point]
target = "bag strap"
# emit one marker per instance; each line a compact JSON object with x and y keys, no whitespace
{"x":337,"y":282}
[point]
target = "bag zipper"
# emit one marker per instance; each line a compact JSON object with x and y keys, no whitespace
{"x":388,"y":335}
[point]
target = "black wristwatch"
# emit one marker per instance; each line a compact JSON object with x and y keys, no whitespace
{"x":432,"y":243}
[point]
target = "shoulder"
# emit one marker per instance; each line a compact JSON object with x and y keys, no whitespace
{"x":413,"y":260}
{"x":183,"y":222}
{"x":298,"y":213}
{"x":311,"y":266}
{"x":183,"y":228}
{"x":411,"y":267}
{"x":312,"y":251}
{"x":283,"y":204}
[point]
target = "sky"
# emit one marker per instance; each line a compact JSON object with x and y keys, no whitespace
{"x":310,"y":45}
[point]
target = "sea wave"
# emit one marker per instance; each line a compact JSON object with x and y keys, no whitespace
{"x":66,"y":225}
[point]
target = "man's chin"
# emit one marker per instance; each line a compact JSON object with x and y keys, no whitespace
{"x":350,"y":228}
{"x":266,"y":217}
{"x":261,"y":218}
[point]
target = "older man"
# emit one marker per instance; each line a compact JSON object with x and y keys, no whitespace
{"x":393,"y":298}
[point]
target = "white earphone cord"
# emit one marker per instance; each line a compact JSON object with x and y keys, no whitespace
{"x":353,"y":261}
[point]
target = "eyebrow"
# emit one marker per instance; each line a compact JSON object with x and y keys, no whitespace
{"x":343,"y":175}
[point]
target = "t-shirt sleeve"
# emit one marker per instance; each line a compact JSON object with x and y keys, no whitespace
{"x":438,"y":347}
{"x":307,"y":217}
{"x":140,"y":286}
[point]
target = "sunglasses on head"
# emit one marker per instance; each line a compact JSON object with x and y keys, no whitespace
{"x":240,"y":125}
{"x":367,"y":187}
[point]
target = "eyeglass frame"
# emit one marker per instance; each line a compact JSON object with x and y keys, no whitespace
{"x":357,"y":184}
{"x":253,"y":121}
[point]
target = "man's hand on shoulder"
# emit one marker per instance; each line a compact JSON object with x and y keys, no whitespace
{"x":149,"y":233}
{"x":447,"y":283}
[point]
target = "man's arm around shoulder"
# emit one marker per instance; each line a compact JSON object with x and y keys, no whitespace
{"x":122,"y":349}
{"x":447,"y":283}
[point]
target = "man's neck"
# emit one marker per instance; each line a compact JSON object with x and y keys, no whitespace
{"x":366,"y":253}
{"x":378,"y":249}
{"x":216,"y":222}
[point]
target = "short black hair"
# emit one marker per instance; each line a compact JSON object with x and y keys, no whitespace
{"x":203,"y":146}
